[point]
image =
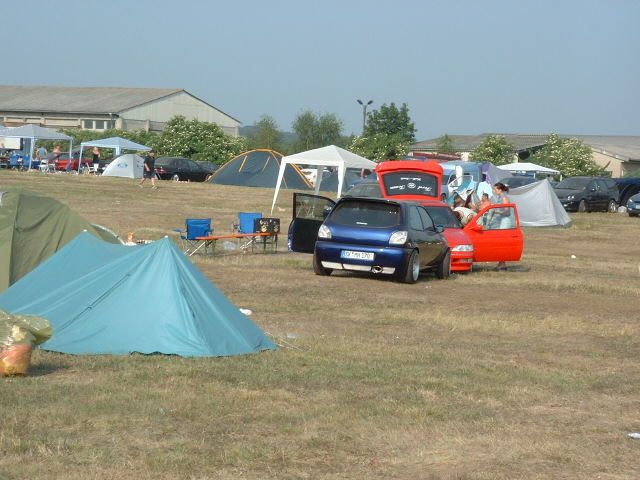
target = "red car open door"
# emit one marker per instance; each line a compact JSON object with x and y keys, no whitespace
{"x":496,"y":234}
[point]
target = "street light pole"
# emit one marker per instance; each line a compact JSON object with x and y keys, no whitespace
{"x":364,"y":112}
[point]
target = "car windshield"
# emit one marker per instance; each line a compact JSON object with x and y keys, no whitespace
{"x":366,"y":214}
{"x":410,"y":183}
{"x":365,"y":190}
{"x":518,"y":181}
{"x":573,"y":183}
{"x":443,"y":216}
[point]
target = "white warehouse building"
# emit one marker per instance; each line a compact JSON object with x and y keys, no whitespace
{"x":100,"y":108}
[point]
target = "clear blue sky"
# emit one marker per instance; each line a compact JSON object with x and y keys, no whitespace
{"x":462,"y":66}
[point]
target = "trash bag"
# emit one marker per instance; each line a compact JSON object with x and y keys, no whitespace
{"x":18,"y":335}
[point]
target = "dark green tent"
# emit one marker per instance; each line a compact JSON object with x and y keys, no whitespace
{"x":32,"y":228}
{"x":259,"y":168}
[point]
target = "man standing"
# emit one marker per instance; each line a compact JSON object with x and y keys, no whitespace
{"x":149,"y":172}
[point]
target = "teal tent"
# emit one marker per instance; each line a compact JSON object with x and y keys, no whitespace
{"x":114,"y":299}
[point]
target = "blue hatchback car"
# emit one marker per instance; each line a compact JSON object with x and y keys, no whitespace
{"x":378,"y":236}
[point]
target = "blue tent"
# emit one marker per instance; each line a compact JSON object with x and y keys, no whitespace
{"x":113,"y":299}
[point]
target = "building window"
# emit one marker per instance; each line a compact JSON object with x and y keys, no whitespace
{"x":98,"y":124}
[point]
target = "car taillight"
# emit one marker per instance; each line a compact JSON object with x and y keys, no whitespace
{"x":324,"y":232}
{"x":399,"y":238}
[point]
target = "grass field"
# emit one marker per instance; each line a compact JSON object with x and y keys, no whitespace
{"x":532,"y":373}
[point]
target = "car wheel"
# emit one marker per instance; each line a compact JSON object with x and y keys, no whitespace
{"x":412,"y":270}
{"x":582,"y":207}
{"x":633,"y":214}
{"x":318,"y":269}
{"x":175,"y":177}
{"x":444,"y":267}
{"x":613,"y":206}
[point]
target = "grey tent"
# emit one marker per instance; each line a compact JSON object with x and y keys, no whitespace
{"x":259,"y":168}
{"x":35,"y":132}
{"x":539,"y":206}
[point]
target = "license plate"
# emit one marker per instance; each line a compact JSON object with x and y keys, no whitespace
{"x":356,"y":255}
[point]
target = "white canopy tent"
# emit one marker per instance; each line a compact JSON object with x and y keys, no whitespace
{"x":116,"y":143}
{"x":330,"y":156}
{"x":35,"y":132}
{"x":527,"y":168}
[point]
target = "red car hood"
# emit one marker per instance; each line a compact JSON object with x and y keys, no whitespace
{"x":456,"y":236}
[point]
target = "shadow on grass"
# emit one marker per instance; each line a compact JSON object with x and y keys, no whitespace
{"x":489,"y":267}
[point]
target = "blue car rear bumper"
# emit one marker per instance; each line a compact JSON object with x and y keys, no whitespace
{"x":387,"y":260}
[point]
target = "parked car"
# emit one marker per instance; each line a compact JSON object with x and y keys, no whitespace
{"x":587,"y":194}
{"x":519,"y":181}
{"x":64,"y":163}
{"x":210,"y":167}
{"x":176,"y":168}
{"x":379,"y":236}
{"x":497,"y":245}
{"x":633,"y":205}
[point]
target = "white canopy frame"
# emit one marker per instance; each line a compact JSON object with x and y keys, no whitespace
{"x":116,"y":143}
{"x":35,"y":132}
{"x":527,"y":167}
{"x":330,"y":156}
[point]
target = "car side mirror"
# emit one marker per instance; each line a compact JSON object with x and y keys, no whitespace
{"x":439,"y":229}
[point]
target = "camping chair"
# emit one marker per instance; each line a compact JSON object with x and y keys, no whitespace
{"x":46,"y":167}
{"x":194,"y":228}
{"x":246,"y":224}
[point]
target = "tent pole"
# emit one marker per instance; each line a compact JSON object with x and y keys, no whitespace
{"x":32,"y":142}
{"x":283,"y":165}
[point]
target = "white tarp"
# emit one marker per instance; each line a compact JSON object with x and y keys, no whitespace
{"x":36,"y":132}
{"x":127,"y":166}
{"x":526,"y":167}
{"x":116,"y":143}
{"x":538,"y":205}
{"x":330,"y":156}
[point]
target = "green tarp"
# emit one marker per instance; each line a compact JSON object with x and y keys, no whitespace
{"x":114,"y":299}
{"x":32,"y":228}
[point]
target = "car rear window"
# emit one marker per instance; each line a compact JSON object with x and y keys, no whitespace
{"x":366,"y":214}
{"x":371,"y":190}
{"x":410,"y":183}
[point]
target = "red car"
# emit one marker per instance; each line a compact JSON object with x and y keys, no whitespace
{"x":494,"y":235}
{"x":62,"y":163}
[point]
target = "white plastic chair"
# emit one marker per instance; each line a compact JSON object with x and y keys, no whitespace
{"x":46,"y":167}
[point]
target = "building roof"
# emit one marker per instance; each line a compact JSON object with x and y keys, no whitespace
{"x":26,"y":98}
{"x":625,"y":148}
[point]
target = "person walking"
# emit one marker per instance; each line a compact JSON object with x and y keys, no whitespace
{"x":149,"y":172}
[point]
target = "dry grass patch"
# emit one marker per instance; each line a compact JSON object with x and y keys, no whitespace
{"x":530,"y":373}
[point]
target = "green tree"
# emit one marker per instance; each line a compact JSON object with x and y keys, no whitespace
{"x":445,"y":144}
{"x":380,"y":147}
{"x":315,"y":131}
{"x":392,"y":121}
{"x":567,"y":155}
{"x":495,"y":149}
{"x":199,"y":141}
{"x":266,"y":134}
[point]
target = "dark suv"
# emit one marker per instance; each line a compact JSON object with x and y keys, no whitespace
{"x":586,"y":194}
